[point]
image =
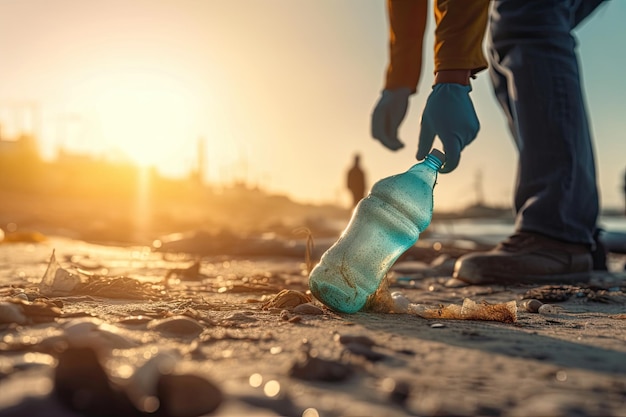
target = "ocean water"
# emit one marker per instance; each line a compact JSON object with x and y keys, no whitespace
{"x":492,"y":231}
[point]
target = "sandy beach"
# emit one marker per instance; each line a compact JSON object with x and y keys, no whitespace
{"x":184,"y":335}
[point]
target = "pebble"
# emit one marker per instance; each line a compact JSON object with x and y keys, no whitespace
{"x":187,"y":395}
{"x":346,"y":339}
{"x":96,"y":334}
{"x":531,"y":305}
{"x":308,"y":308}
{"x":550,"y":309}
{"x":177,"y":325}
{"x":11,"y":313}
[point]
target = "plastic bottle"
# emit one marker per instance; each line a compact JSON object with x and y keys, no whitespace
{"x":383,"y":226}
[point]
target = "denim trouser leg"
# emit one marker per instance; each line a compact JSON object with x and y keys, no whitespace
{"x":535,"y":75}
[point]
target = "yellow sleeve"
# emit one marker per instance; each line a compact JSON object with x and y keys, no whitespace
{"x":459,"y":35}
{"x":407,"y":23}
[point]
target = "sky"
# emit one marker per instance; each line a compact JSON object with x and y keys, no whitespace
{"x":281,"y":91}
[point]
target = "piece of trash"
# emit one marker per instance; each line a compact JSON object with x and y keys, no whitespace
{"x":470,"y":310}
{"x":57,"y":281}
{"x":400,"y":302}
{"x":437,"y":326}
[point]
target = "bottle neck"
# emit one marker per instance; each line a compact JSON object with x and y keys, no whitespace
{"x":432,"y":162}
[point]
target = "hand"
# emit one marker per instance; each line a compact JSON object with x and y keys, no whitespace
{"x":387,"y":116}
{"x":449,"y":113}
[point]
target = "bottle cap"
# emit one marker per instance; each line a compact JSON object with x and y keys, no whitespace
{"x":439,"y":155}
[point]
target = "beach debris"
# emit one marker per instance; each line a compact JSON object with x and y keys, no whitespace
{"x":287,"y":299}
{"x":437,"y":326}
{"x":381,"y":301}
{"x":58,"y":281}
{"x":400,"y":302}
{"x":531,"y":305}
{"x":470,"y":310}
{"x":180,"y":325}
{"x":309,"y":247}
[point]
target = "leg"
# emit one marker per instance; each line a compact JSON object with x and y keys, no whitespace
{"x":537,"y":81}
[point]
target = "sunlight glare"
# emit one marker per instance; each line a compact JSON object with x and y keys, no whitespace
{"x":148,"y":121}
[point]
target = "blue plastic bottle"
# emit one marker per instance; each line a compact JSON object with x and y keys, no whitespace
{"x":383,"y":226}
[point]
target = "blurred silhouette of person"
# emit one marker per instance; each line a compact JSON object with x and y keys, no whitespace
{"x":624,"y":188}
{"x":356,"y":181}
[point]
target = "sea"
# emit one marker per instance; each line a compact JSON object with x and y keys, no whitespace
{"x":492,"y":231}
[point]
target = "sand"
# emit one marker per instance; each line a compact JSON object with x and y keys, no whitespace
{"x":222,"y":322}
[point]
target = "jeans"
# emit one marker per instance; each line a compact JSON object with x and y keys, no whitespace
{"x":536,"y":79}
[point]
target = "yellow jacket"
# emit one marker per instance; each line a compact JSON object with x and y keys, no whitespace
{"x":459,"y":38}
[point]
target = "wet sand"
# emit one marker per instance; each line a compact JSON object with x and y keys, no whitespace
{"x":219,"y":318}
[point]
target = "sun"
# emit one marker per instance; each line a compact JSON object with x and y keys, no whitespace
{"x":147,"y":119}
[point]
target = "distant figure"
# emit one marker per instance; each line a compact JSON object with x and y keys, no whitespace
{"x":624,"y":187}
{"x":356,"y":181}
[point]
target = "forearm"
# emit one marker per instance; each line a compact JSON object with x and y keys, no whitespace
{"x":407,"y":24}
{"x":459,"y":38}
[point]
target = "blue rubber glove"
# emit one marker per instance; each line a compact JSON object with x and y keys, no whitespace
{"x":387,"y":116}
{"x":449,"y":113}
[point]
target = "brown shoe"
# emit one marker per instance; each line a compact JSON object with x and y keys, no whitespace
{"x":527,"y":258}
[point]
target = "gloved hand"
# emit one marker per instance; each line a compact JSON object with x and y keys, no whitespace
{"x":387,"y":116}
{"x":449,"y":113}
